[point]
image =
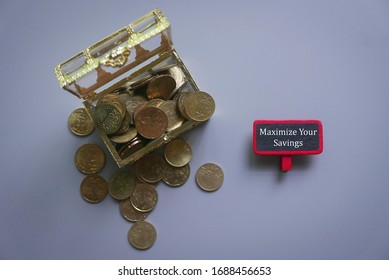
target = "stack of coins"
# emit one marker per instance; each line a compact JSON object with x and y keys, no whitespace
{"x":132,"y":116}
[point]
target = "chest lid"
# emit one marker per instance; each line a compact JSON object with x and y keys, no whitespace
{"x":106,"y":61}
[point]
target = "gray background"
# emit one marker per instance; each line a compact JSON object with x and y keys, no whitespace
{"x":326,"y":60}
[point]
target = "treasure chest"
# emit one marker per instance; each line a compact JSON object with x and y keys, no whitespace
{"x":136,"y":88}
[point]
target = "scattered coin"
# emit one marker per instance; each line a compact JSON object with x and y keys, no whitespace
{"x":121,"y":185}
{"x":144,"y":198}
{"x":209,"y":177}
{"x":80,"y":123}
{"x":150,"y":168}
{"x":94,"y":188}
{"x":142,"y":235}
{"x":130,"y":213}
{"x":176,"y":176}
{"x":89,"y":158}
{"x":178,"y":153}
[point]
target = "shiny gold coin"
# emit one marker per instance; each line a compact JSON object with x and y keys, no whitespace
{"x":178,"y":153}
{"x":150,"y":168}
{"x":142,"y":235}
{"x":175,"y":120}
{"x":161,"y":86}
{"x":130,"y":213}
{"x":121,"y":185}
{"x":89,"y":158}
{"x":199,"y":106}
{"x":108,"y":118}
{"x":125,"y":137}
{"x":80,"y":123}
{"x":144,"y":198}
{"x":94,"y":188}
{"x":176,"y":176}
{"x":151,"y":122}
{"x":209,"y":177}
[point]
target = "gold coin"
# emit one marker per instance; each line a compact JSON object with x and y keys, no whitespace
{"x":94,"y":188}
{"x":144,"y":198}
{"x":130,"y":213}
{"x":161,"y":86}
{"x":176,"y":176}
{"x":199,"y":106}
{"x":178,"y":153}
{"x":174,"y":118}
{"x":125,"y":137}
{"x":89,"y":158}
{"x":114,"y":100}
{"x":121,"y":185}
{"x":181,"y":97}
{"x":209,"y":177}
{"x":150,"y":168}
{"x":151,"y":122}
{"x":80,"y":123}
{"x":142,"y":235}
{"x":108,"y":118}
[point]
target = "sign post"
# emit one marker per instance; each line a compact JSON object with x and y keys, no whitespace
{"x":286,"y":138}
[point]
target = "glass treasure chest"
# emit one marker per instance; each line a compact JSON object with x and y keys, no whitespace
{"x":136,"y":89}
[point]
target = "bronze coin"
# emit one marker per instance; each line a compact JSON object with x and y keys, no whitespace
{"x":130,"y":213}
{"x":176,"y":176}
{"x":94,"y":188}
{"x":178,"y":153}
{"x":209,"y":177}
{"x":150,"y":168}
{"x":144,"y":198}
{"x":151,"y":122}
{"x":161,"y":86}
{"x":121,"y":185}
{"x":199,"y":106}
{"x":125,"y":137}
{"x":80,"y":123}
{"x":142,"y":235}
{"x":108,"y":118}
{"x":89,"y":158}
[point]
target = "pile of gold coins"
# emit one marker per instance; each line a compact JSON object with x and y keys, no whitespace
{"x":131,"y":116}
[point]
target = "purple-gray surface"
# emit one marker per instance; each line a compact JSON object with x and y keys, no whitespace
{"x":326,"y":60}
